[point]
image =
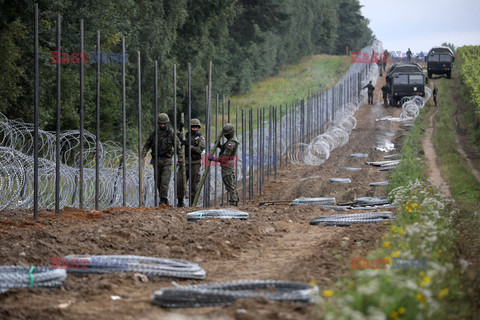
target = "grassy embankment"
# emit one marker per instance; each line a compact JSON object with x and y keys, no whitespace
{"x":438,"y":237}
{"x":293,"y":83}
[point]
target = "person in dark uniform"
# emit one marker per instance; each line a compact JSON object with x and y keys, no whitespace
{"x":435,"y":91}
{"x":385,"y":90}
{"x":165,"y":147}
{"x":227,"y":159}
{"x":370,"y":89}
{"x":197,"y":146}
{"x":409,"y":55}
{"x":384,"y":60}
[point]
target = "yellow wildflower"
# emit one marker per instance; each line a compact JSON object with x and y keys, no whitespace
{"x":396,"y":254}
{"x":394,"y":315}
{"x":420,"y":297}
{"x":387,"y":244}
{"x":401,"y":310}
{"x":328,"y":293}
{"x":443,"y":293}
{"x":425,"y":281}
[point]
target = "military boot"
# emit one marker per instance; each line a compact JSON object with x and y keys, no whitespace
{"x":164,"y":201}
{"x":180,"y":203}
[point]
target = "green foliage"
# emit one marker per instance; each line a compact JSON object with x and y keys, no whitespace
{"x":463,"y":185}
{"x":11,"y":71}
{"x":353,"y":30}
{"x":410,"y":169}
{"x":468,"y":57}
{"x":450,"y":45}
{"x":247,"y":41}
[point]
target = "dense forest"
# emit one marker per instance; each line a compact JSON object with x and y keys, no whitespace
{"x":247,"y":40}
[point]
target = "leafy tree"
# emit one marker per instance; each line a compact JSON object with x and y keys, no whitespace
{"x":247,"y":40}
{"x":450,"y":45}
{"x":353,"y":30}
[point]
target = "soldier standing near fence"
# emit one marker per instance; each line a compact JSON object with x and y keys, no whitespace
{"x":165,"y":147}
{"x":370,"y":89}
{"x":228,"y":160}
{"x":435,"y":91}
{"x":197,"y":146}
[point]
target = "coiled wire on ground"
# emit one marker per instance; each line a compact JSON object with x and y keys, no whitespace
{"x":412,"y":105}
{"x":222,"y":294}
{"x":216,"y":213}
{"x":12,"y":277}
{"x":349,"y":219}
{"x":308,"y":201}
{"x":129,"y":263}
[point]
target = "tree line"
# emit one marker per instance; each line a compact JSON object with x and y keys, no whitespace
{"x":247,"y":40}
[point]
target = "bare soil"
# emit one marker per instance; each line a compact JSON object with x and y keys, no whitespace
{"x":431,"y":157}
{"x":275,"y":243}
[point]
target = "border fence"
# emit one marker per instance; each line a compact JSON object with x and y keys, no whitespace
{"x":74,"y":168}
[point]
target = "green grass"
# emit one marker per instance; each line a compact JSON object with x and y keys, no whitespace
{"x":429,"y":227}
{"x":411,"y":169}
{"x":463,"y":185}
{"x":295,"y":82}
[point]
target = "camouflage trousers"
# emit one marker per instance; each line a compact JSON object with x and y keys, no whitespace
{"x":195,"y":181}
{"x":163,"y":172}
{"x":228,"y":178}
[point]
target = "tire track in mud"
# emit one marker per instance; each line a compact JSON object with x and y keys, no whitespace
{"x":431,"y":156}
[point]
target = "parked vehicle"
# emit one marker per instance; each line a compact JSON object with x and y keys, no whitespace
{"x":404,"y":84}
{"x":440,"y":61}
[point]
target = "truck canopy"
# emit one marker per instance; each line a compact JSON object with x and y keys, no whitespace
{"x":403,"y":68}
{"x":440,"y":50}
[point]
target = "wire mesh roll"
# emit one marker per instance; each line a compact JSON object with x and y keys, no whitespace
{"x":217,"y":213}
{"x":36,"y":277}
{"x":130,"y":263}
{"x":222,"y":294}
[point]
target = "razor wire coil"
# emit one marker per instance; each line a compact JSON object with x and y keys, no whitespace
{"x":151,"y":266}
{"x":12,"y":277}
{"x":222,"y":294}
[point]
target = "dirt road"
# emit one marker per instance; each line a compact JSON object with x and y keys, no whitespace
{"x":275,"y":243}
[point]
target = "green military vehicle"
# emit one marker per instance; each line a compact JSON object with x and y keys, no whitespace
{"x":404,"y":84}
{"x":440,"y":61}
{"x":403,"y":80}
{"x":402,"y":67}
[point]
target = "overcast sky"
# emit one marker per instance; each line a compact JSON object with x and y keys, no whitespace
{"x":422,"y":24}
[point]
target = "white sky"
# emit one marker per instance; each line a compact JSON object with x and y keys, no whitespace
{"x":422,"y":24}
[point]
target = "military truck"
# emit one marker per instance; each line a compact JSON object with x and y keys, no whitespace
{"x":402,"y":67}
{"x":405,"y":84}
{"x":440,"y":61}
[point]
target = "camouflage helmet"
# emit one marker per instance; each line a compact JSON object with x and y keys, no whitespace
{"x":228,"y":129}
{"x":163,"y":118}
{"x":195,"y":122}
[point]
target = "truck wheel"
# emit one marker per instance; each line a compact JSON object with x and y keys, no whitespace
{"x":449,"y":74}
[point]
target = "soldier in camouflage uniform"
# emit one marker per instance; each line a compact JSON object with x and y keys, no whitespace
{"x":227,"y":158}
{"x":197,"y":145}
{"x":165,"y":147}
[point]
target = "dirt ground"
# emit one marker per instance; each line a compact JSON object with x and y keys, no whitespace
{"x":275,"y":243}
